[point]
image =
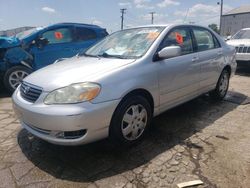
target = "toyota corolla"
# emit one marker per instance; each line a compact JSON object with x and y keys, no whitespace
{"x":118,"y":85}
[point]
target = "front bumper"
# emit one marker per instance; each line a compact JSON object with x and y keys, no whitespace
{"x":243,"y":57}
{"x":44,"y":121}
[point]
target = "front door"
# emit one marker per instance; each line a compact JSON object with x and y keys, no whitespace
{"x":59,"y":45}
{"x":178,"y":76}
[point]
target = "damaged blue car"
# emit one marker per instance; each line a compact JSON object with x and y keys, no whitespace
{"x":33,"y":49}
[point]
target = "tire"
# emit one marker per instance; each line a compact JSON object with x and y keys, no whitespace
{"x":14,"y":76}
{"x":221,"y":87}
{"x":137,"y":111}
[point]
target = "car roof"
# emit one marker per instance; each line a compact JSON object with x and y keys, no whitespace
{"x":168,"y":25}
{"x":245,"y":29}
{"x":75,"y":24}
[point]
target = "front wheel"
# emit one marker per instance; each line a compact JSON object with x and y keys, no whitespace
{"x":222,"y":86}
{"x":14,"y":76}
{"x":130,"y":120}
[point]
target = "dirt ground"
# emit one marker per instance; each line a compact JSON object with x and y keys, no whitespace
{"x":198,"y":140}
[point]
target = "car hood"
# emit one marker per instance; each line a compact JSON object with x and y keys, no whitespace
{"x":239,"y":42}
{"x":74,"y":70}
{"x":8,"y":42}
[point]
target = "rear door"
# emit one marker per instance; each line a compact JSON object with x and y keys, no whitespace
{"x":178,"y":76}
{"x":210,"y":55}
{"x":84,"y":38}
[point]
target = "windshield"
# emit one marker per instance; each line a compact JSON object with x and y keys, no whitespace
{"x":242,"y":34}
{"x":126,"y":44}
{"x":26,"y":33}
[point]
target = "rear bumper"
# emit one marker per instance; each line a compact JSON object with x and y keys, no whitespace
{"x":47,"y":121}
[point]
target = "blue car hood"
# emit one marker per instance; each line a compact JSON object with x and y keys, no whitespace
{"x":8,"y":42}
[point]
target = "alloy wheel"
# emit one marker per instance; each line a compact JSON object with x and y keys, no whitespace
{"x":223,"y":87}
{"x":134,"y":122}
{"x":16,"y":78}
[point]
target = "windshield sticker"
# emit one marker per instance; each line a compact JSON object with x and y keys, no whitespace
{"x":58,"y":35}
{"x":178,"y":38}
{"x":153,"y":35}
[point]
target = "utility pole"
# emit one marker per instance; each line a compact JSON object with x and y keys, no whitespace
{"x":152,"y":17}
{"x":122,"y":16}
{"x":221,"y":13}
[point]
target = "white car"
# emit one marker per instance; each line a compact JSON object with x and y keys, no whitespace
{"x":241,"y":42}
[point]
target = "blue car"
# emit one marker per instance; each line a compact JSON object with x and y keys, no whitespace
{"x":33,"y":49}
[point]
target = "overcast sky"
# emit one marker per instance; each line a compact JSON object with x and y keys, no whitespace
{"x":106,"y":13}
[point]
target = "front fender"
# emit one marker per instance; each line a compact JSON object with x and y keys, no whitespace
{"x":18,"y":55}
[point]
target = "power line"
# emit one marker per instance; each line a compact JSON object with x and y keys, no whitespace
{"x":200,"y":21}
{"x":134,"y":21}
{"x":122,"y":16}
{"x":186,"y":15}
{"x":205,"y":3}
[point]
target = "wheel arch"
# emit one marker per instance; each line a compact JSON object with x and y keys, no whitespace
{"x":228,"y":68}
{"x":140,"y":92}
{"x":135,"y":92}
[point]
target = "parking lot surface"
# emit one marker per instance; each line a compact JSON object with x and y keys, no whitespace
{"x":198,"y":140}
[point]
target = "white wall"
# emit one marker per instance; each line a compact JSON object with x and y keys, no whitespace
{"x":233,"y":23}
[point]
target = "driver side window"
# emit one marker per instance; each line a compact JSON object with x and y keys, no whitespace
{"x":179,"y":37}
{"x":60,"y":35}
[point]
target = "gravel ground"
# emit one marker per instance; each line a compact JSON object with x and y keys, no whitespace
{"x":198,"y":140}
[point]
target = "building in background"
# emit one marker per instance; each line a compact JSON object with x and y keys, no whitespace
{"x":235,"y":20}
{"x":12,"y":32}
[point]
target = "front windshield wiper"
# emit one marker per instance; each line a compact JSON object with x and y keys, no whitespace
{"x":89,"y":55}
{"x":106,"y":55}
{"x":111,"y":56}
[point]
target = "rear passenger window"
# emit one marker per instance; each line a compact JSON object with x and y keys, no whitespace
{"x":83,"y":34}
{"x":205,"y":40}
{"x":179,"y":37}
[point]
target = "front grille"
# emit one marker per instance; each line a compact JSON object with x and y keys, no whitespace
{"x":29,"y":92}
{"x":243,"y":50}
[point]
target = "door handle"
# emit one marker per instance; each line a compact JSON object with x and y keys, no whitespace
{"x":220,"y":53}
{"x":67,"y":48}
{"x":195,"y":59}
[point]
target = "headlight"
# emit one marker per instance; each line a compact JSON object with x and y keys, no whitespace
{"x":74,"y":93}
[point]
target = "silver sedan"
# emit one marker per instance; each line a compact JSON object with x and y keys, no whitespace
{"x":117,"y":86}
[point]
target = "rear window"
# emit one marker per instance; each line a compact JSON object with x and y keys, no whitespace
{"x":103,"y":33}
{"x":84,"y":34}
{"x":205,"y":40}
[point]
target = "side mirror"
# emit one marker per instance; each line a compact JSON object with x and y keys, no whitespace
{"x":41,"y":42}
{"x":170,"y":51}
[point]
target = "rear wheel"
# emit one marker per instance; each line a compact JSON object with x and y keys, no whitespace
{"x":130,"y":120}
{"x":14,"y":76}
{"x":222,"y":86}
